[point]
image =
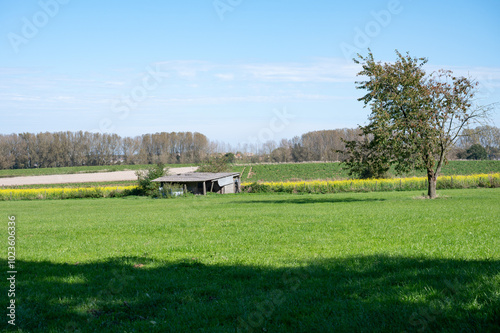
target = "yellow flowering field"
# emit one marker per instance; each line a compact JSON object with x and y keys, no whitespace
{"x":368,"y":185}
{"x":315,"y":186}
{"x":65,"y":193}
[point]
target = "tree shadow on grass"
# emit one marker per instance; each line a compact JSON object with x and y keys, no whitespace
{"x":316,"y":198}
{"x":358,"y":294}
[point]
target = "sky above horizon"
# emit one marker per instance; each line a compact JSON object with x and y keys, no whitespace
{"x":238,"y":71}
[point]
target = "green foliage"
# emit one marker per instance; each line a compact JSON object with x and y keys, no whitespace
{"x":216,"y":164}
{"x":396,"y":94}
{"x":230,"y":158}
{"x":276,"y":262}
{"x":366,"y":160}
{"x":415,"y":118}
{"x":476,"y":152}
{"x":145,"y":178}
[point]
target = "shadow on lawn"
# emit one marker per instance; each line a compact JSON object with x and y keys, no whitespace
{"x":370,"y":294}
{"x":310,"y":199}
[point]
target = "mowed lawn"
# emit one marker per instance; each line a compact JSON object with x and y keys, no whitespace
{"x":357,"y":262}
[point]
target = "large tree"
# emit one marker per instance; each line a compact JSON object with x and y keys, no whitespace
{"x":415,"y":117}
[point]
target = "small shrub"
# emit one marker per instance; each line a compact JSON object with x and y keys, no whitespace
{"x":145,"y":178}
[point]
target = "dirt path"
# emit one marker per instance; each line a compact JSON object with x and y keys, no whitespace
{"x":81,"y":177}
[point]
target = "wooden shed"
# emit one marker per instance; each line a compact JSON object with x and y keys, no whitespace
{"x":203,"y":182}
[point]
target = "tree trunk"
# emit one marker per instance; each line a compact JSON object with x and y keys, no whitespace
{"x":431,"y":187}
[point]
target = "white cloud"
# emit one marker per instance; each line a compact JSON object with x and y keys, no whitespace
{"x":256,"y":83}
{"x":225,"y":77}
{"x":114,"y":83}
{"x":214,"y":100}
{"x":318,"y":70}
{"x":322,"y":71}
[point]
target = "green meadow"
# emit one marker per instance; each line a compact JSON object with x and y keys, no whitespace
{"x":349,"y":262}
{"x":313,"y":171}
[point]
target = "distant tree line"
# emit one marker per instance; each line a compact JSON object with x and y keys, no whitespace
{"x":326,"y":145}
{"x":482,"y":142}
{"x":59,"y":149}
{"x":329,"y":145}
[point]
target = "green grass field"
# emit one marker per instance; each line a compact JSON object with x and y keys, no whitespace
{"x":364,"y":262}
{"x":312,"y":171}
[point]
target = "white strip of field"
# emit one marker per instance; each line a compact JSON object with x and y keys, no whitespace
{"x":82,"y":177}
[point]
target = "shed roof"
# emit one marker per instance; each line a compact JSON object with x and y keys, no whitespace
{"x":195,"y":177}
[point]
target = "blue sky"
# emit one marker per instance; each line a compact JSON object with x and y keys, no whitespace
{"x":235,"y":70}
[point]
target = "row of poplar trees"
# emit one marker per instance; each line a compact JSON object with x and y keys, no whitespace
{"x":60,"y":149}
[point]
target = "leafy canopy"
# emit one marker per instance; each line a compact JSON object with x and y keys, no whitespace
{"x":415,"y":117}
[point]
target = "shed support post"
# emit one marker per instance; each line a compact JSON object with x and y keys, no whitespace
{"x":204,"y":188}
